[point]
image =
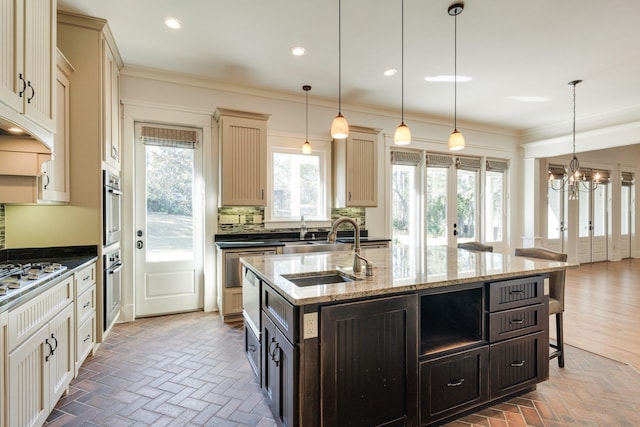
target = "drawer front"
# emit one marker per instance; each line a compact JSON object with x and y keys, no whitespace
{"x":516,"y":293}
{"x":86,"y":304}
{"x":86,"y":338}
{"x":32,"y":315}
{"x":518,"y":363}
{"x":85,"y":278}
{"x":281,"y":312}
{"x":451,"y":384}
{"x":252,"y":348}
{"x":516,"y":322}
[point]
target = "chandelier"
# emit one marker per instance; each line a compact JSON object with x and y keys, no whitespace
{"x":573,"y":179}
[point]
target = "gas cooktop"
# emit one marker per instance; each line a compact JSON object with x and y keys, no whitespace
{"x":17,"y":278}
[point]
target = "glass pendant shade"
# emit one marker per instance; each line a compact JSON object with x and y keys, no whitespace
{"x":402,"y":135}
{"x":339,"y":127}
{"x":306,"y":148}
{"x":456,"y":141}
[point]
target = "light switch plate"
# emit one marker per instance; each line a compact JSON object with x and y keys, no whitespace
{"x":310,"y":325}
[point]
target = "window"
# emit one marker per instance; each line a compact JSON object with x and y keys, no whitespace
{"x":299,"y":185}
{"x":494,"y":210}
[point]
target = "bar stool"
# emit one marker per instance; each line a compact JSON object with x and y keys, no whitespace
{"x":475,"y":246}
{"x":556,"y":295}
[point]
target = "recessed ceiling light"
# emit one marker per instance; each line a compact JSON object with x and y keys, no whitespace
{"x":460,"y":79}
{"x":529,"y":98}
{"x":172,"y":22}
{"x":298,"y":51}
{"x":14,"y":129}
{"x":390,"y":72}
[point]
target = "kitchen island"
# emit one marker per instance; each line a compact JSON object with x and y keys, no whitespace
{"x":428,"y":337}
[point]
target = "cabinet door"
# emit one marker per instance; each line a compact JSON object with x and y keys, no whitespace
{"x":61,"y":364}
{"x":3,"y":372}
{"x":518,"y":363}
{"x":279,"y":369}
{"x":369,"y":362}
{"x":111,"y":107}
{"x":29,"y":380}
{"x":39,"y":60}
{"x":243,"y":161}
{"x":12,"y":81}
{"x":55,"y":172}
{"x":362,"y":176}
{"x":451,"y":384}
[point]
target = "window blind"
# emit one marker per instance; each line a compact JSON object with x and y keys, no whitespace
{"x":557,"y":171}
{"x":627,"y":179}
{"x":468,"y":163}
{"x":438,"y":160}
{"x":497,"y":165}
{"x":169,"y":137}
{"x":409,"y":158}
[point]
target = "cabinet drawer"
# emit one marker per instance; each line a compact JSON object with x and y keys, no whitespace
{"x":86,"y":304}
{"x":281,"y":312}
{"x":518,"y":363}
{"x":516,"y":293}
{"x":252,"y":348}
{"x":516,"y":322}
{"x":451,"y":384}
{"x":86,"y":338}
{"x":85,"y":278}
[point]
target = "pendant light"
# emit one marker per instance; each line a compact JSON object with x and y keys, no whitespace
{"x":456,"y":140}
{"x":339,"y":126}
{"x":306,"y":147}
{"x":403,"y":134}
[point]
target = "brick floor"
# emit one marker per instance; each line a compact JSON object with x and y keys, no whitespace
{"x":189,"y":370}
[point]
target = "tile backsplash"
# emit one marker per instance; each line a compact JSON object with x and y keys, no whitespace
{"x":2,"y":227}
{"x":251,"y":219}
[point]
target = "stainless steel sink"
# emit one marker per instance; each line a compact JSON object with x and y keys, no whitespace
{"x":305,"y":246}
{"x":319,"y":278}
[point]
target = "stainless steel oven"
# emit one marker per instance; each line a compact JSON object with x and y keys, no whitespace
{"x":112,"y":286}
{"x":112,"y":195}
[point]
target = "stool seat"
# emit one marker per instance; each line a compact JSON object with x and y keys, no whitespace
{"x":475,"y":246}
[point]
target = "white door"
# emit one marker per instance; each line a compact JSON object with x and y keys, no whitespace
{"x":556,"y":216}
{"x":593,"y":225}
{"x":169,"y":219}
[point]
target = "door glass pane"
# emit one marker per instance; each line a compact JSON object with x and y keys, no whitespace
{"x":624,"y":211}
{"x":437,"y":206}
{"x":583,"y":215}
{"x":467,"y":189}
{"x":554,"y":209}
{"x":599,"y":210}
{"x":494,"y":206}
{"x":169,"y":188}
{"x":403,"y":205}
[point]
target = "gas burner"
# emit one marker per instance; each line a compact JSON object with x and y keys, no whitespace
{"x":18,"y":278}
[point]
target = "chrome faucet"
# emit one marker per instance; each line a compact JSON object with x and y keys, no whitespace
{"x":303,"y":228}
{"x":331,"y":238}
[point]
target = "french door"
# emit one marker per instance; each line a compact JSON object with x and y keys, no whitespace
{"x":169,"y":219}
{"x":556,"y":217}
{"x":593,"y":224}
{"x":626,"y":216}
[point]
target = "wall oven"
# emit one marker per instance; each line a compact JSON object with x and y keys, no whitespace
{"x":112,"y":195}
{"x":112,"y":286}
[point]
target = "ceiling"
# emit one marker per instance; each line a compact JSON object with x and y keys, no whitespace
{"x":509,"y":48}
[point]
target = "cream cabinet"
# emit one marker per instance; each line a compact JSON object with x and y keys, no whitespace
{"x":3,"y":369}
{"x":355,"y":175}
{"x":243,"y":157}
{"x":41,"y":354}
{"x":85,"y":313}
{"x":111,"y":107}
{"x":28,"y":46}
{"x":54,"y":181}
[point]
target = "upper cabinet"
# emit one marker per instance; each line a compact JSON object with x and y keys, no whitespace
{"x":243,"y":157}
{"x":355,"y":161}
{"x":54,"y":181}
{"x":111,"y":98}
{"x":27,"y":48}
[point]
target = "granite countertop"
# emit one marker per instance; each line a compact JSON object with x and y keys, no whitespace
{"x":396,"y":270}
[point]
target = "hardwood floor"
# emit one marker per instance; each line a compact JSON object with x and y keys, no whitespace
{"x":602,"y":309}
{"x":190,"y":370}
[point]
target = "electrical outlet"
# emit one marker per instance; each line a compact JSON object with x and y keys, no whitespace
{"x":310,"y":325}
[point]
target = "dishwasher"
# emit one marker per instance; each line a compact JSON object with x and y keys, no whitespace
{"x":230,"y":283}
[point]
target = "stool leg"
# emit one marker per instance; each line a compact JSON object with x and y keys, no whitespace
{"x":560,"y":339}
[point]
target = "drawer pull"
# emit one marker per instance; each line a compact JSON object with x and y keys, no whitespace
{"x":252,"y":347}
{"x":456,"y":383}
{"x":86,"y":278}
{"x":87,"y":338}
{"x":86,"y":304}
{"x":516,"y":321}
{"x":516,"y":291}
{"x":519,"y":364}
